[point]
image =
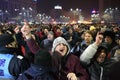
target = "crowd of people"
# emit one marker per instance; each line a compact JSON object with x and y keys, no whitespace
{"x":59,"y":52}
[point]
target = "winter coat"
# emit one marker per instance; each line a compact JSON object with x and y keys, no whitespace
{"x":11,"y":64}
{"x":113,"y":51}
{"x":37,"y":73}
{"x":97,"y":71}
{"x":115,"y":71}
{"x":69,"y":64}
{"x":88,"y":54}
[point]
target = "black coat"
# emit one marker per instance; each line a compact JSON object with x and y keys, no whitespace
{"x":99,"y":71}
{"x":37,"y":73}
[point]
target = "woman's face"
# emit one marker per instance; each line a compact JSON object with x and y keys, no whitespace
{"x":101,"y":57}
{"x":61,"y":49}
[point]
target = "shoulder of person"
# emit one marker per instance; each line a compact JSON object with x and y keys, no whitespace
{"x":18,"y":64}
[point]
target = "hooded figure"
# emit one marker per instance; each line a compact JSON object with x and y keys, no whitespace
{"x":67,"y":65}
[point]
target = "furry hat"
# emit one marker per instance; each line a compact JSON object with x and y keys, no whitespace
{"x":43,"y":58}
{"x":6,"y":39}
{"x":59,"y":40}
{"x":111,"y":34}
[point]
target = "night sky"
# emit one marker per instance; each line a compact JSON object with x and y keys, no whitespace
{"x":86,"y":5}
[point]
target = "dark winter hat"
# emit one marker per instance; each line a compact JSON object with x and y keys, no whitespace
{"x":43,"y":58}
{"x":111,"y":34}
{"x":6,"y":39}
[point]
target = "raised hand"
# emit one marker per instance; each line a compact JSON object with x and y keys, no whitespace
{"x":26,"y":30}
{"x":71,"y":76}
{"x":99,"y":38}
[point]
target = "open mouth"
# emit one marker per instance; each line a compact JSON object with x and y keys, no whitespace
{"x":61,"y":50}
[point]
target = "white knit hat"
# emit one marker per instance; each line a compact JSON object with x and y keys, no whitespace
{"x":59,"y":40}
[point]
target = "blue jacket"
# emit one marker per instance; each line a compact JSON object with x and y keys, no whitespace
{"x":11,"y":65}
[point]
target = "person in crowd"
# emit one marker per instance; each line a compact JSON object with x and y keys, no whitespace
{"x":90,"y":51}
{"x":116,"y":30}
{"x":93,"y":30}
{"x":41,"y":33}
{"x":88,"y":39}
{"x":41,"y":69}
{"x":115,"y":68}
{"x":114,"y":73}
{"x":80,"y":47}
{"x":47,"y":43}
{"x":58,"y":32}
{"x":45,"y":32}
{"x":71,"y":36}
{"x":94,"y":58}
{"x":116,"y":50}
{"x":99,"y":67}
{"x":22,"y":46}
{"x":109,"y":41}
{"x":66,"y":66}
{"x":38,"y":32}
{"x":11,"y":64}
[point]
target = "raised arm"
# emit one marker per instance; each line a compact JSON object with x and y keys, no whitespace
{"x":90,"y":51}
{"x":32,"y":44}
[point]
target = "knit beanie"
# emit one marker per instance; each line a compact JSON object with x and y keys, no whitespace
{"x":6,"y":39}
{"x":59,"y":40}
{"x":43,"y":58}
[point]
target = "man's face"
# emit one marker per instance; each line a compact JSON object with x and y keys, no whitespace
{"x":61,"y":49}
{"x":108,"y":39}
{"x":88,"y":37}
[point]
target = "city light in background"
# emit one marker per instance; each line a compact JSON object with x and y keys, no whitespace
{"x":18,"y":11}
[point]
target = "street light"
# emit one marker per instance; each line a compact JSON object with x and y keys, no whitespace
{"x":76,"y":13}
